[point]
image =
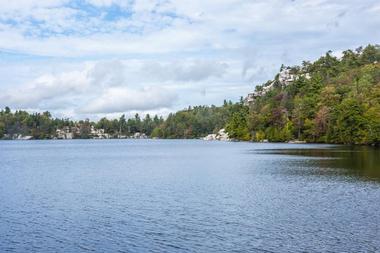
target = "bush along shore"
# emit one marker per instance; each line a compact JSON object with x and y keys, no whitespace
{"x":330,"y":100}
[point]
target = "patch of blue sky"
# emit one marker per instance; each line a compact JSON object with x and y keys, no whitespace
{"x":112,"y":12}
{"x":86,"y":9}
{"x":86,"y":12}
{"x":37,"y":28}
{"x":9,"y":21}
{"x":115,"y":12}
{"x":9,"y":56}
{"x":32,"y":27}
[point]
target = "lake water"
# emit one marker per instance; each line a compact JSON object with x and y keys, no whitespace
{"x":187,"y":196}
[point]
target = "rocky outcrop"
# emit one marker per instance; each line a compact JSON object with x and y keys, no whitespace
{"x":222,"y":135}
{"x":284,"y":78}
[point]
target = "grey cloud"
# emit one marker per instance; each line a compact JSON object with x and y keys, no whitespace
{"x":43,"y":89}
{"x":184,"y":71}
{"x":108,"y":73}
{"x":110,"y":86}
{"x":124,"y":99}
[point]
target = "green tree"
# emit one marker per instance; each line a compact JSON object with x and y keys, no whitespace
{"x":351,"y":124}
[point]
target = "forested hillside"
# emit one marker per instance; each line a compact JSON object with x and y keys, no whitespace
{"x":330,"y":100}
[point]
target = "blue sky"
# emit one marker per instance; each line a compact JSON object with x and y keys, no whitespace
{"x":100,"y":58}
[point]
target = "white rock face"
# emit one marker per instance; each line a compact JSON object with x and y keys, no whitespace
{"x":250,"y":98}
{"x":285,"y":77}
{"x":210,"y":137}
{"x":222,"y":135}
{"x":22,"y":137}
{"x":139,"y":135}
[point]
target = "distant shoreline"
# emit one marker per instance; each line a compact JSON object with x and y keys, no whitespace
{"x":198,"y":139}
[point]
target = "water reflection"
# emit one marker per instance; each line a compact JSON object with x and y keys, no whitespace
{"x":357,"y":161}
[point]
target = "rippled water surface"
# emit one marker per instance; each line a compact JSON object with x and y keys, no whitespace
{"x":187,"y":196}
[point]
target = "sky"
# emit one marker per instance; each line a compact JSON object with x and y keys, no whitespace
{"x":96,"y":58}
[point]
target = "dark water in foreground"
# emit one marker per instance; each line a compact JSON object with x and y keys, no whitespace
{"x":187,"y":196}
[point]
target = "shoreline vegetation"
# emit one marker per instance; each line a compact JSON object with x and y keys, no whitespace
{"x":331,"y":100}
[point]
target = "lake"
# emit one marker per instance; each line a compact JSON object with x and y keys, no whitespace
{"x":187,"y":196}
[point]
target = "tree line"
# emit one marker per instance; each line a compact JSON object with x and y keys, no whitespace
{"x":193,"y":122}
{"x":330,"y":100}
{"x":44,"y":126}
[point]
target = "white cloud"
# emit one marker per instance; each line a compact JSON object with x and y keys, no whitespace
{"x":184,"y":71}
{"x":156,"y":27}
{"x":108,"y":73}
{"x":201,"y":51}
{"x":45,"y":88}
{"x":27,"y":5}
{"x":104,"y":2}
{"x":123,"y":99}
{"x":113,"y":86}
